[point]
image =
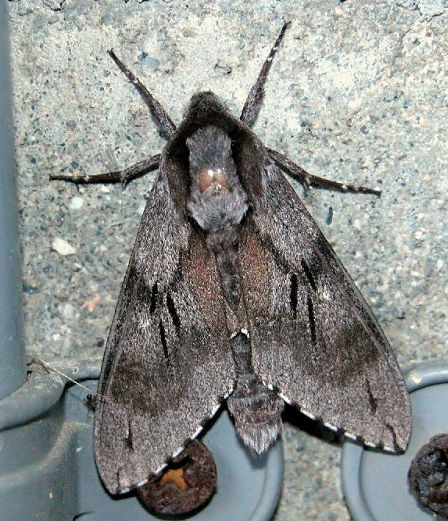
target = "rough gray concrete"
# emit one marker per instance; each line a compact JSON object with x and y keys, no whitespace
{"x":358,"y":93}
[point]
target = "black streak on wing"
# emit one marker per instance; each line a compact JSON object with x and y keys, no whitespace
{"x":293,"y":296}
{"x":308,"y":274}
{"x":173,"y":312}
{"x":372,"y":400}
{"x":129,"y":438}
{"x":311,"y":319}
{"x":163,"y":340}
{"x":152,"y":306}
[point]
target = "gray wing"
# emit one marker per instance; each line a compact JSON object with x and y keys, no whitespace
{"x":168,"y":362}
{"x":313,"y":337}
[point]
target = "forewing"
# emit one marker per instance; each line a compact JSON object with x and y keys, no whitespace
{"x":312,"y":334}
{"x":168,"y":360}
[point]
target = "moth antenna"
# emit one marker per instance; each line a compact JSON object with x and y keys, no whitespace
{"x":256,"y":94}
{"x":164,"y":122}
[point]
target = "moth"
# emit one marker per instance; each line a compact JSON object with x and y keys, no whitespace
{"x":233,"y":293}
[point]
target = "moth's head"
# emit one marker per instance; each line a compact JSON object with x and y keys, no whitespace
{"x":211,"y":164}
{"x":206,"y":107}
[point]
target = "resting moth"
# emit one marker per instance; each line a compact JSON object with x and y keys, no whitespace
{"x":233,"y":293}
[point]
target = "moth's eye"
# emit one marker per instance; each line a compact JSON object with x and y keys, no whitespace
{"x":213,"y":177}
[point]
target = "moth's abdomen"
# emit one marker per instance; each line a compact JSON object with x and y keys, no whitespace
{"x":257,"y":414}
{"x":256,"y":409}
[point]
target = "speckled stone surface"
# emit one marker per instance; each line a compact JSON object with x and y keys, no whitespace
{"x":358,"y":93}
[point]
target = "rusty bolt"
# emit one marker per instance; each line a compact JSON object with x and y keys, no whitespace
{"x":428,"y":475}
{"x":185,"y":486}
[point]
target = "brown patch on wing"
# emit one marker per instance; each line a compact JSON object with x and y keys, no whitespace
{"x":257,"y":263}
{"x":201,"y":274}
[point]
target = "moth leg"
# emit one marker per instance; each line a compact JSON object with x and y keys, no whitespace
{"x":164,"y":122}
{"x":122,"y":176}
{"x":309,"y":180}
{"x":256,"y":94}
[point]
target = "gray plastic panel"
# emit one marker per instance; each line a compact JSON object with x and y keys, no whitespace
{"x":375,"y":484}
{"x":12,"y":350}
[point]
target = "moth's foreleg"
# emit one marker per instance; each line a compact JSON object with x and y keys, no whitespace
{"x":309,"y":180}
{"x":122,"y":176}
{"x":164,"y":122}
{"x":256,"y":94}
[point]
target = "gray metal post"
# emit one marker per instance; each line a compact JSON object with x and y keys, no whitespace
{"x":12,"y":349}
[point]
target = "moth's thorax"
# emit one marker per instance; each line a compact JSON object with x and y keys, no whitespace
{"x":217,"y":200}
